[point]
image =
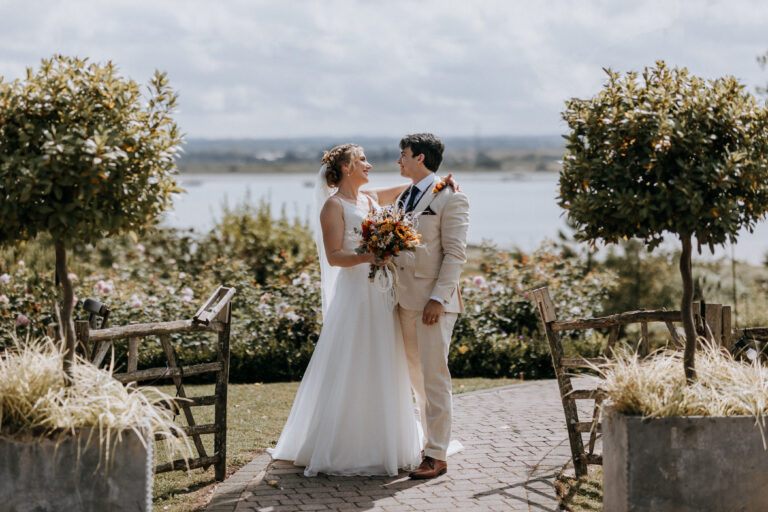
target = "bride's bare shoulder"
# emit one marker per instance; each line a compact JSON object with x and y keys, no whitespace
{"x":331,"y":206}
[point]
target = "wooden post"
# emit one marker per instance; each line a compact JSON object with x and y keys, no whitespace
{"x":133,"y":354}
{"x":644,"y":344}
{"x":713,"y":315}
{"x":547,"y":313}
{"x":222,"y":379}
{"x":82,"y":333}
{"x":612,"y":338}
{"x":726,"y":324}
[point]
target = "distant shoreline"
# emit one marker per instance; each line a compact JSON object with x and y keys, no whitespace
{"x":306,"y":168}
{"x":300,"y":156}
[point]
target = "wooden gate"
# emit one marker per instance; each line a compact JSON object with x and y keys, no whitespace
{"x":214,"y":316}
{"x":712,"y":320}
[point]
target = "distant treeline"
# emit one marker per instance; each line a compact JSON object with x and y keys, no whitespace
{"x":531,"y":153}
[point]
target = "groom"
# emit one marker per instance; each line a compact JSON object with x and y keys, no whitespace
{"x":428,"y":291}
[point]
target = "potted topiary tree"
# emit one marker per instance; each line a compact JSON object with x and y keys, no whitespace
{"x":83,"y":155}
{"x":655,"y":154}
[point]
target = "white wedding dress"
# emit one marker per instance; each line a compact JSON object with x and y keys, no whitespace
{"x":353,"y":413}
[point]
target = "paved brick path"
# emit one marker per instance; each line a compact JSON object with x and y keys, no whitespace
{"x":515,"y":443}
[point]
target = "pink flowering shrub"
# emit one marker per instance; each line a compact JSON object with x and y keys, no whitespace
{"x":277,"y":321}
{"x":26,"y":302}
{"x":500,"y":335}
{"x":167,"y":276}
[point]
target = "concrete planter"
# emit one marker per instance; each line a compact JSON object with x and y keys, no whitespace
{"x":683,"y":464}
{"x":38,"y":476}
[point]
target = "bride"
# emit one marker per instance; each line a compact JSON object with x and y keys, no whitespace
{"x":353,"y":413}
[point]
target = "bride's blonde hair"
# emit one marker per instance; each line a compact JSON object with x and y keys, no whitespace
{"x":335,"y":159}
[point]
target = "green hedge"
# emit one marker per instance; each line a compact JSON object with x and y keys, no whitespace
{"x":276,"y":318}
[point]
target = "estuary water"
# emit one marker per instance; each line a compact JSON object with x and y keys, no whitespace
{"x":508,"y":209}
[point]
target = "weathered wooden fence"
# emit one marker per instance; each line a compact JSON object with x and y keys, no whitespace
{"x":713,"y":321}
{"x":214,"y":316}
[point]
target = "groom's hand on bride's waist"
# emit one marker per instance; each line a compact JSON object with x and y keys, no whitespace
{"x":432,"y":312}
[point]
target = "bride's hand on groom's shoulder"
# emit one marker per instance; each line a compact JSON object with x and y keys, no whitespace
{"x":448,"y":180}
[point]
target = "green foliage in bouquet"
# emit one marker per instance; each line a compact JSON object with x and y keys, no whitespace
{"x":83,"y":156}
{"x":666,"y":152}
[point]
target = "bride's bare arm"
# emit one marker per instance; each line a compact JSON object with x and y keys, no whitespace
{"x":332,"y":223}
{"x":385,"y":196}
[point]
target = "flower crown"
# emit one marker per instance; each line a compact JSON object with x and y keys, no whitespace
{"x":326,"y":157}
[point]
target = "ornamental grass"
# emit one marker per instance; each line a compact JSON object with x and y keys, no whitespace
{"x":655,"y":387}
{"x":35,"y":401}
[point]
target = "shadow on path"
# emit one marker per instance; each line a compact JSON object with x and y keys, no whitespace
{"x":515,"y":444}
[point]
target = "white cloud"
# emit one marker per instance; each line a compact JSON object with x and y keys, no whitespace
{"x":355,"y":67}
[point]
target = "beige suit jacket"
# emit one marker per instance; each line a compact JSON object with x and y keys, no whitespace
{"x":434,"y":268}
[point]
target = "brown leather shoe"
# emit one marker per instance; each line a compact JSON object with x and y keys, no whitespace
{"x":429,"y":468}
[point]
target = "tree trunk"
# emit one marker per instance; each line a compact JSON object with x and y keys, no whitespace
{"x":686,"y":310}
{"x":67,"y":327}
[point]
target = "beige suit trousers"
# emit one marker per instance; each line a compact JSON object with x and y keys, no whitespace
{"x":426,"y":348}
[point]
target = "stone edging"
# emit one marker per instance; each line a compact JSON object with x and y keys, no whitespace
{"x":227,"y":493}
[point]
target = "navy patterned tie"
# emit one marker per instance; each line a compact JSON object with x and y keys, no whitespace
{"x":412,"y":199}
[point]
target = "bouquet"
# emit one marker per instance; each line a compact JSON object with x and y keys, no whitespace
{"x":387,"y":232}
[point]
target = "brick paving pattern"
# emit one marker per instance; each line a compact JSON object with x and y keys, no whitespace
{"x":515,"y":443}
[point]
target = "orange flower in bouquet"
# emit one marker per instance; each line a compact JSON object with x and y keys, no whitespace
{"x":387,"y":232}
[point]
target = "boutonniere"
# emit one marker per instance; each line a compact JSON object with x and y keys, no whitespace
{"x":439,"y":186}
{"x":447,"y":180}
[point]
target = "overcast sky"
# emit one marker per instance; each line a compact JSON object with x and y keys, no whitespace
{"x":384,"y":68}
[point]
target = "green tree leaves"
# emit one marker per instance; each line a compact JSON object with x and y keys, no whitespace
{"x":83,"y":154}
{"x":665,"y":151}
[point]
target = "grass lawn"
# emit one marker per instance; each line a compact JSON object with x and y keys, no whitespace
{"x":255,"y":415}
{"x":582,"y":495}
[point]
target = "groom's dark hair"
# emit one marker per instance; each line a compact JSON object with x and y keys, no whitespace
{"x":425,"y":144}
